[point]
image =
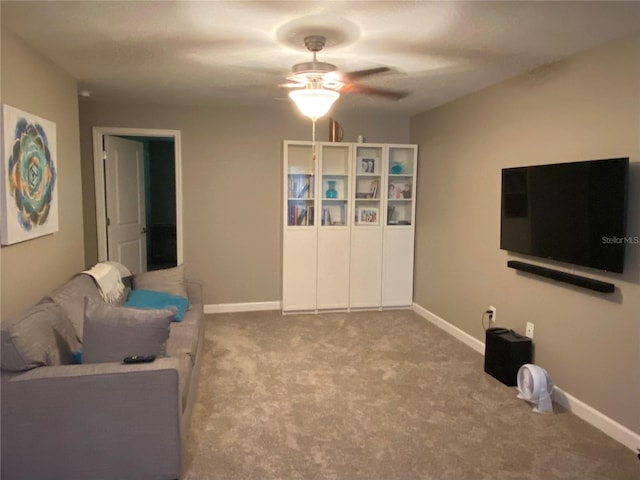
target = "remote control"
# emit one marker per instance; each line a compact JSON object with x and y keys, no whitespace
{"x":139,"y":359}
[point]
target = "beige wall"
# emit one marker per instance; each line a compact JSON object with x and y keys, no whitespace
{"x":586,"y":107}
{"x":232,"y":185}
{"x":31,"y":269}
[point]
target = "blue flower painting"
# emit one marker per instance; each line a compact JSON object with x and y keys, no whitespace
{"x":29,"y":174}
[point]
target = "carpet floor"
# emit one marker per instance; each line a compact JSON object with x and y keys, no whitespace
{"x":373,"y":395}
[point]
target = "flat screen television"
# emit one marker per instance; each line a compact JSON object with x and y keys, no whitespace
{"x":571,"y":212}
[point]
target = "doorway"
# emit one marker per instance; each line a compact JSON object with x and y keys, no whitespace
{"x":161,"y":202}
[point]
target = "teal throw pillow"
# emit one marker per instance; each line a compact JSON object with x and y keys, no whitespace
{"x":154,"y":300}
{"x":77,"y":357}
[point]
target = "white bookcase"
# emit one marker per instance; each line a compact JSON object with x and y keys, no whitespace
{"x":399,"y":226}
{"x":317,"y":226}
{"x":366,"y":234}
{"x":334,"y":229}
{"x":349,"y":213}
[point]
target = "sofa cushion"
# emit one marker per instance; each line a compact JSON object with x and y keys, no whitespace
{"x":169,"y":280}
{"x":112,"y":332}
{"x":41,"y":336}
{"x":152,"y":299}
{"x":71,"y":295}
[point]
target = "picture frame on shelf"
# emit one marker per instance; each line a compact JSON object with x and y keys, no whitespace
{"x":367,"y":165}
{"x":367,"y":215}
{"x":400,"y":190}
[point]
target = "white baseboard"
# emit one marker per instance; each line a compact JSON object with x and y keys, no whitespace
{"x":242,"y":307}
{"x":461,"y":335}
{"x":615,"y":430}
{"x":598,"y":419}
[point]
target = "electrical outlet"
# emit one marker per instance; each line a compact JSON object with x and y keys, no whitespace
{"x":492,"y":315}
{"x":529,"y":331}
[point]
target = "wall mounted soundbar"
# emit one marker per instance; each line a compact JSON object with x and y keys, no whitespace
{"x":583,"y":282}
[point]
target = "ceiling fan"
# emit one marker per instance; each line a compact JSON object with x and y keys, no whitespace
{"x":322,"y":75}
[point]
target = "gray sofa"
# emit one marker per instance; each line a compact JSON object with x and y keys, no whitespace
{"x":107,"y":420}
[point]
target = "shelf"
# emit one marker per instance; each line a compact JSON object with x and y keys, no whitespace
{"x":399,"y":212}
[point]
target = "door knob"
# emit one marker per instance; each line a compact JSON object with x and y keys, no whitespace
{"x":144,"y":230}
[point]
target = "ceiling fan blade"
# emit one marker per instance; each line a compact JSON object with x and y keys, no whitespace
{"x":379,"y":92}
{"x":358,"y":74}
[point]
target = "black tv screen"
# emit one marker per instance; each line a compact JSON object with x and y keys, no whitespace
{"x":571,"y":212}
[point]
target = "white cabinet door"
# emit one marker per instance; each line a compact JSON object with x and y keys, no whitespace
{"x":366,"y":267}
{"x":397,"y":267}
{"x":333,"y":268}
{"x":299,"y":235}
{"x":299,"y":269}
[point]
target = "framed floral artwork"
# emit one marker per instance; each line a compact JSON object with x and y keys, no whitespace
{"x":28,"y":194}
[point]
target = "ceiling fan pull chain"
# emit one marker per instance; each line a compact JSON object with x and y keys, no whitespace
{"x":313,"y":131}
{"x":313,"y":140}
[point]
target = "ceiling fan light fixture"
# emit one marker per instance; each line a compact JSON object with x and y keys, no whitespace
{"x":314,"y":102}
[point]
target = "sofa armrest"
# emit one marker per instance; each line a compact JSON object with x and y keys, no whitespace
{"x":194,"y":291}
{"x":89,"y":370}
{"x":98,"y":421}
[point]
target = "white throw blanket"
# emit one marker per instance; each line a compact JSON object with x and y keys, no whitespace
{"x":124,"y":271}
{"x":108,"y":278}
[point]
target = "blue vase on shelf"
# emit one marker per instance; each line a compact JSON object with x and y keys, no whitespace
{"x":331,"y":192}
{"x":396,"y":168}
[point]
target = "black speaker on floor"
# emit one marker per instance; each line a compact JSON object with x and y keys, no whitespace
{"x":505,"y":352}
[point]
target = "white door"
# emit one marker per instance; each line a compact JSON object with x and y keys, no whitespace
{"x":125,"y":199}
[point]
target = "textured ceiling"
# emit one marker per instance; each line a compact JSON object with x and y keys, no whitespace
{"x":230,"y":52}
